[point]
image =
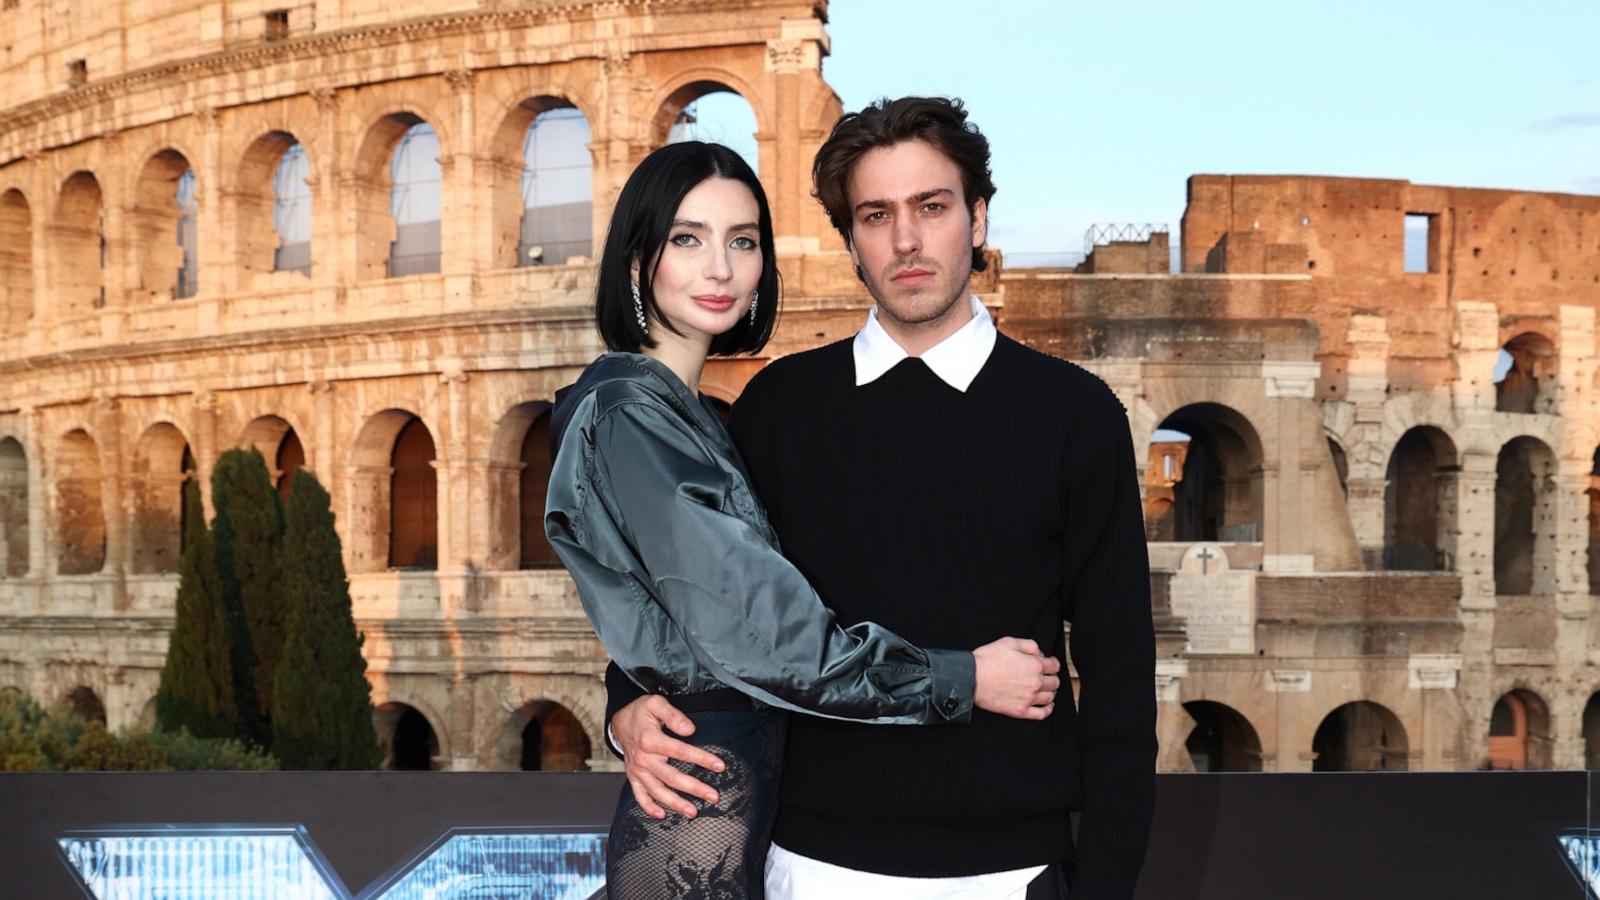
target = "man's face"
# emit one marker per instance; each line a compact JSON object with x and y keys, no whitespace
{"x":912,"y":234}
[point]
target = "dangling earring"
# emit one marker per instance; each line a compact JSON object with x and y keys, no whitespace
{"x":754,"y":295}
{"x":638,"y":308}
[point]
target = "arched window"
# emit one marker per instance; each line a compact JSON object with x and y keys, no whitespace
{"x":291,"y":212}
{"x":535,"y":483}
{"x":1524,"y":519}
{"x":715,"y":113}
{"x":1418,"y":502}
{"x":1519,"y":732}
{"x":1360,"y":737}
{"x":1218,"y":495}
{"x":414,"y":202}
{"x":414,"y":500}
{"x":410,"y":742}
{"x":552,"y":739}
{"x":86,"y":705}
{"x":78,"y":244}
{"x":1524,"y":375}
{"x":162,"y":223}
{"x":13,"y":508}
{"x":160,"y":466}
{"x":16,"y":263}
{"x":1222,"y":739}
{"x":290,"y":458}
{"x":80,"y":515}
{"x":557,"y":189}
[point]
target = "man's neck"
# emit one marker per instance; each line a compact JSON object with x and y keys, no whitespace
{"x":917,"y":338}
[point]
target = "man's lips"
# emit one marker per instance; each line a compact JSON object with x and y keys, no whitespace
{"x":912,"y":277}
{"x":715,"y":302}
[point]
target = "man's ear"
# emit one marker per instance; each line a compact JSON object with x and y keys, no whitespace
{"x":980,"y":222}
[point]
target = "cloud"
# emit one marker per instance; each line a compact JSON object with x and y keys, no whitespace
{"x":1569,"y":120}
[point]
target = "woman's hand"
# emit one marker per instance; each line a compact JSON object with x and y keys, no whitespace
{"x":1015,"y":679}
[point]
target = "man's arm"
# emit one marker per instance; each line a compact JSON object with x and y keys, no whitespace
{"x":1113,"y":648}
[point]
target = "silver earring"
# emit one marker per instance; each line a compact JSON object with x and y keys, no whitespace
{"x":638,"y":308}
{"x":754,"y":295}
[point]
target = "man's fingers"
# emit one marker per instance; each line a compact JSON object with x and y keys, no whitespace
{"x":1051,"y":665}
{"x":1029,"y":647}
{"x":684,"y":783}
{"x":641,"y":796}
{"x":1050,"y":683}
{"x":669,"y":716}
{"x":666,"y":796}
{"x":661,"y":745}
{"x":1043,"y":698}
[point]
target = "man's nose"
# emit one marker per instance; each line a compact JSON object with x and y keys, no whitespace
{"x":907,"y":236}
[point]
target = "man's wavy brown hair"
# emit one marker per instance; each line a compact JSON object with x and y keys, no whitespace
{"x":938,"y":121}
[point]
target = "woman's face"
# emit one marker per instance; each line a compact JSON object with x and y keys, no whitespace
{"x":711,"y":262}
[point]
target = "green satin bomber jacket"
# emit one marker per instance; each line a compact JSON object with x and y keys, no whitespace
{"x":680,"y":573}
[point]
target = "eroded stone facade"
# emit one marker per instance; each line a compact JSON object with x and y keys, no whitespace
{"x":1418,"y":534}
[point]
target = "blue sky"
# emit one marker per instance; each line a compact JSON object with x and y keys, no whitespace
{"x":1098,"y":112}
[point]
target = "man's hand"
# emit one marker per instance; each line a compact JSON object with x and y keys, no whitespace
{"x":1015,"y":679}
{"x":640,"y":730}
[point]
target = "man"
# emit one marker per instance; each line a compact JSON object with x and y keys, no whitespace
{"x":947,"y":482}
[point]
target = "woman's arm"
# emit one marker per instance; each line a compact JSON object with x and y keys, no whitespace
{"x":748,"y":615}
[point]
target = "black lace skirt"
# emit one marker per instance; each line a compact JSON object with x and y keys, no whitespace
{"x":721,"y":853}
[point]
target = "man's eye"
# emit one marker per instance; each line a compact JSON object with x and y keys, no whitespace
{"x":743,"y":242}
{"x":877,"y":216}
{"x":684,"y":240}
{"x":933,"y":207}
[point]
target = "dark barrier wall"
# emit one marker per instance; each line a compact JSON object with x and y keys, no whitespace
{"x":1402,"y":836}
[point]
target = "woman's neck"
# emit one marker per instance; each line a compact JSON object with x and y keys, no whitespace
{"x":684,"y":355}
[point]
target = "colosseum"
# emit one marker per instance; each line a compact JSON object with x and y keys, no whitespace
{"x":363,"y":243}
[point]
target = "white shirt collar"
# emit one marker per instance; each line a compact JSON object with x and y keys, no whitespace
{"x":956,"y":359}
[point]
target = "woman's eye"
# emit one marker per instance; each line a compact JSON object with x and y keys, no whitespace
{"x":742,"y":243}
{"x":684,"y":240}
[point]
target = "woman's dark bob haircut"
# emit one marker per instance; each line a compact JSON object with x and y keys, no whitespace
{"x":640,"y":227}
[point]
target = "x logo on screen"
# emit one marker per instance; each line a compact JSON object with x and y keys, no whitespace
{"x":247,"y":863}
{"x":1583,"y":854}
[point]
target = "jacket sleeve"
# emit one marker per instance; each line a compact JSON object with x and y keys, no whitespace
{"x":1113,"y":649}
{"x":747,"y":613}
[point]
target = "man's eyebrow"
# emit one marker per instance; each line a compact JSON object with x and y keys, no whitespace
{"x":914,"y":198}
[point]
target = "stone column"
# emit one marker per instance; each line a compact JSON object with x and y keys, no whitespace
{"x":461,"y":719}
{"x":40,"y":552}
{"x":1173,"y":722}
{"x":796,"y":52}
{"x":213,"y":239}
{"x":332,"y":259}
{"x":614,"y":135}
{"x":205,"y":447}
{"x":113,"y":495}
{"x":1438,"y":743}
{"x":45,"y":300}
{"x":465,"y":229}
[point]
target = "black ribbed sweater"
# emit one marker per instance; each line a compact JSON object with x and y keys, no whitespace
{"x":954,"y":519}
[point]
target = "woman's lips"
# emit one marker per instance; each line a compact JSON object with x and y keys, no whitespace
{"x":715,"y":302}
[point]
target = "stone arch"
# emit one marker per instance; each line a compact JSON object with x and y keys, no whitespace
{"x":1524,"y":518}
{"x":1219,"y":494}
{"x":1361,"y":736}
{"x":16,"y":262}
{"x":1222,"y":740}
{"x":374,"y":188}
{"x":280,"y":446}
{"x":672,"y":102}
{"x":78,"y":246}
{"x":80,"y":513}
{"x":519,"y":467}
{"x":83,"y":702}
{"x":1419,"y":500}
{"x":14,"y":511}
{"x":272,"y":213}
{"x":160,"y":466}
{"x":408,"y":736}
{"x":544,"y":736}
{"x":1519,"y":731}
{"x":394,"y":495}
{"x":1526,"y":372}
{"x":1591,"y":732}
{"x":540,"y":201}
{"x":161,"y":225}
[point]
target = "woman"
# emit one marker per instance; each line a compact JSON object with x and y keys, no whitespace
{"x":677,"y":567}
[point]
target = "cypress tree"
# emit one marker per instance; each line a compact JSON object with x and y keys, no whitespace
{"x":247,"y":534}
{"x":197,"y":691}
{"x":322,"y":703}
